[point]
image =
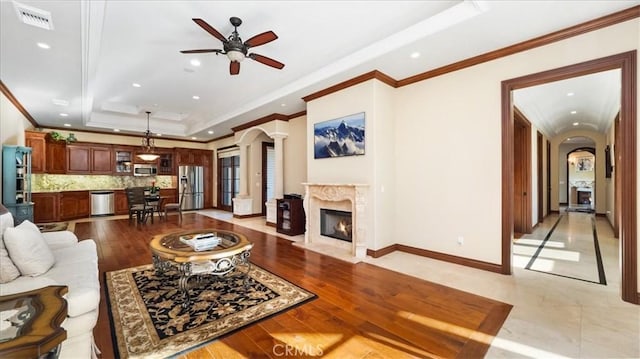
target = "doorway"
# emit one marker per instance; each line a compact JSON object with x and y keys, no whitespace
{"x":626,"y":157}
{"x":268,"y":174}
{"x":228,"y":178}
{"x":521,"y":175}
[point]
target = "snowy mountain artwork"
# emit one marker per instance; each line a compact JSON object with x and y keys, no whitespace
{"x":340,"y":137}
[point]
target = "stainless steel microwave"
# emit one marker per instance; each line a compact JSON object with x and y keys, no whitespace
{"x":145,"y":170}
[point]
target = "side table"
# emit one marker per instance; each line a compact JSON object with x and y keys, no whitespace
{"x":30,"y":323}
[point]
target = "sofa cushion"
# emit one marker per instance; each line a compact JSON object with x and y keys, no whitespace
{"x":6,"y":220}
{"x":28,"y":250}
{"x":8,"y":270}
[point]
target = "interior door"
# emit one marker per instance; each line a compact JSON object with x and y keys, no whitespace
{"x":521,"y":175}
{"x":228,"y":180}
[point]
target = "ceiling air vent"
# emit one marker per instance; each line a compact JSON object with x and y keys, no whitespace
{"x":32,"y":16}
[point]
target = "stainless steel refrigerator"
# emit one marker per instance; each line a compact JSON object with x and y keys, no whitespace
{"x":191,"y":187}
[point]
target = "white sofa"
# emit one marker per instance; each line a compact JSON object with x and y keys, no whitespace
{"x":75,"y":264}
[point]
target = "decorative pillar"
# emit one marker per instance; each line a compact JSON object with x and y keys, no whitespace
{"x":278,"y":191}
{"x":243,"y":204}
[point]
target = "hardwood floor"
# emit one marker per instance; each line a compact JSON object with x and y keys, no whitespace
{"x":361,"y":311}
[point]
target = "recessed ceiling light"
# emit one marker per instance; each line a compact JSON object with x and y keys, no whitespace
{"x":195,"y":62}
{"x":194,"y":138}
{"x":210,"y":132}
{"x":158,"y":134}
{"x":415,"y":55}
{"x":116,"y":130}
{"x":576,"y":123}
{"x":42,"y":45}
{"x":135,"y":84}
{"x":64,"y":114}
{"x":195,"y":97}
{"x":570,"y":94}
{"x":67,"y":125}
{"x":283,"y":104}
{"x":574,"y":112}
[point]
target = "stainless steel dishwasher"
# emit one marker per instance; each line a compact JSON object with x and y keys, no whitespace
{"x":102,"y":203}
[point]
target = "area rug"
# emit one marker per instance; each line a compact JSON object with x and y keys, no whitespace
{"x":147,"y":319}
{"x":53,"y":227}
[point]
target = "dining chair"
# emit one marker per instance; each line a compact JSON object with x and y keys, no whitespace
{"x":174,"y":207}
{"x":138,"y":206}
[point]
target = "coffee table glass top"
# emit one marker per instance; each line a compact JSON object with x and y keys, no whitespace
{"x":169,"y":246}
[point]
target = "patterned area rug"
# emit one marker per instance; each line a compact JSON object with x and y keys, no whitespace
{"x":147,"y":319}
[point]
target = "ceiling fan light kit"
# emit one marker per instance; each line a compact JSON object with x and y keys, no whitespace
{"x":234,"y":48}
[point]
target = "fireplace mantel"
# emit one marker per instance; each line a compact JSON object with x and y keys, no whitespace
{"x":320,"y":194}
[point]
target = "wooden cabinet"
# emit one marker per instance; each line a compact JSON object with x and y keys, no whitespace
{"x":45,"y":207}
{"x":121,"y":204}
{"x":166,"y":166}
{"x":78,"y":159}
{"x":47,"y":155}
{"x":56,"y":153}
{"x":290,"y":216}
{"x":74,"y":204}
{"x":37,"y":141}
{"x":89,"y":159}
{"x":101,"y":159}
{"x":123,"y":160}
{"x":171,"y":194}
{"x":184,"y":157}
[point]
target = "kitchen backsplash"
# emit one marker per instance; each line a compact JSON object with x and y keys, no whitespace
{"x":48,"y":182}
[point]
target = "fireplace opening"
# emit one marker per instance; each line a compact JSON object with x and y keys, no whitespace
{"x":336,"y":224}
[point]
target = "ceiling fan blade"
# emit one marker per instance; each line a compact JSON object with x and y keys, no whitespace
{"x":261,"y":39}
{"x":267,"y":61}
{"x":200,"y":51}
{"x":208,"y":28}
{"x":234,"y":67}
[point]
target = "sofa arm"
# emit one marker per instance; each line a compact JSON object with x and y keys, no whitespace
{"x":24,"y":284}
{"x":60,"y":239}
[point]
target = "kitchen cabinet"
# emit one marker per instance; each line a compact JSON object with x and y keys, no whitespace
{"x":185,"y":157}
{"x":89,"y":159}
{"x":56,"y":154}
{"x":121,"y":205}
{"x":166,"y":167}
{"x":16,"y":182}
{"x":37,"y":141}
{"x":123,"y":160}
{"x":78,"y":159}
{"x":171,"y":194}
{"x":101,"y":159}
{"x":74,"y":204}
{"x":47,"y":154}
{"x":45,"y":206}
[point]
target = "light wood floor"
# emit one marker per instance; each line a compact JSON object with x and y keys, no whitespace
{"x":362,"y":310}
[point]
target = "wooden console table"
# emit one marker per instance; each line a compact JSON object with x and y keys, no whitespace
{"x":34,"y":330}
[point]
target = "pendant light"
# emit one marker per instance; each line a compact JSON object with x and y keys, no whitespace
{"x":148,"y":146}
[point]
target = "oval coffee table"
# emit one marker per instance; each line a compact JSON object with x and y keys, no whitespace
{"x":169,"y":251}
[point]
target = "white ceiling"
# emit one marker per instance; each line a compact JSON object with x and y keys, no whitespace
{"x":100,"y":48}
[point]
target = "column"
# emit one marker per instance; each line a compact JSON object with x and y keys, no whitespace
{"x":279,"y":149}
{"x":244,"y":174}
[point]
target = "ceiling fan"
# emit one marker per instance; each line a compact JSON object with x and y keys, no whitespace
{"x":234,"y":48}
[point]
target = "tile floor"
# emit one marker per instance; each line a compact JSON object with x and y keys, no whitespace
{"x":552,"y":316}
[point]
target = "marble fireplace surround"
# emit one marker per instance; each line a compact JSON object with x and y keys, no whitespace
{"x":334,"y":196}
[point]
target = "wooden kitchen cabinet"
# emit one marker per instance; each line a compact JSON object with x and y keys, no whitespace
{"x":45,"y":207}
{"x":121,"y":205}
{"x":101,"y":160}
{"x":74,"y":204}
{"x":37,"y":141}
{"x":78,"y":159}
{"x":48,"y":155}
{"x":89,"y":159}
{"x":123,"y":160}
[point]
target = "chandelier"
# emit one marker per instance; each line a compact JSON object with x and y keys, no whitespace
{"x":148,"y":146}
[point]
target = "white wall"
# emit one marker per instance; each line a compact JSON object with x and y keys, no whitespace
{"x":295,"y":158}
{"x":12,"y":126}
{"x":448,"y":145}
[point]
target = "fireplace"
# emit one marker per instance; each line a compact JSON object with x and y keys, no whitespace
{"x":348,"y":201}
{"x":336,"y":224}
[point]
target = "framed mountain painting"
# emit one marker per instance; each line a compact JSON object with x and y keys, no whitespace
{"x":339,"y":137}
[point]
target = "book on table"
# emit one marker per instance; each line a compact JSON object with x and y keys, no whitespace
{"x":201,"y":242}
